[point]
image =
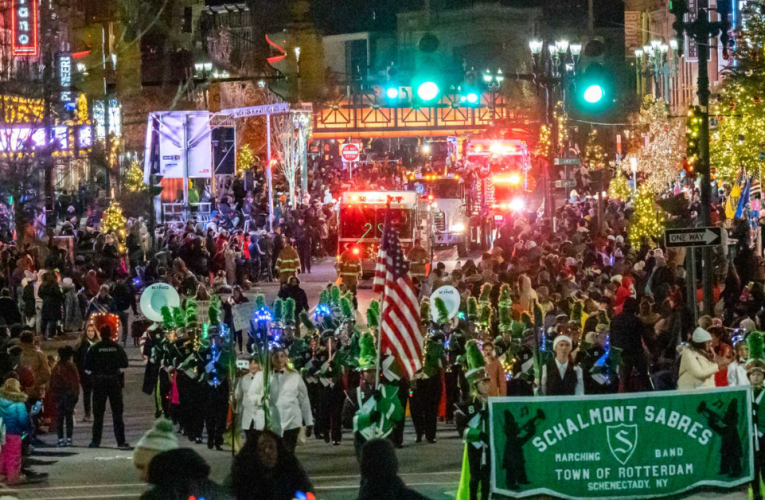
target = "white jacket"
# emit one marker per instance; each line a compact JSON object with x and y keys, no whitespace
{"x":737,"y":374}
{"x":695,"y":370}
{"x":289,"y":406}
{"x":242,"y":398}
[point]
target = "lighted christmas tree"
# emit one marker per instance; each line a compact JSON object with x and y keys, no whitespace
{"x":114,"y":222}
{"x":543,"y":145}
{"x":245,"y":158}
{"x":648,"y":220}
{"x":619,"y":188}
{"x":82,"y":108}
{"x":740,"y":107}
{"x":593,"y":153}
{"x":134,"y":178}
{"x":660,"y":158}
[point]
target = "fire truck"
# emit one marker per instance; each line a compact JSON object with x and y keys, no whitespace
{"x":446,"y":195}
{"x":499,"y":185}
{"x":361,"y":219}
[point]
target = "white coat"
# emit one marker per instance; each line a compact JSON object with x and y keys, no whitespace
{"x":289,"y":404}
{"x":695,"y":370}
{"x":241,"y":396}
{"x":737,"y":374}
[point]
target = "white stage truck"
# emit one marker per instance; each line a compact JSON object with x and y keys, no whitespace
{"x":446,"y":195}
{"x":361,"y":220}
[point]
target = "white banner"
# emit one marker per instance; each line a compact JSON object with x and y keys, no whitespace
{"x":176,"y":130}
{"x":243,"y":313}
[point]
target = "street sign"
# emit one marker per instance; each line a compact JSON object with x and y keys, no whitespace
{"x":567,"y":161}
{"x":350,"y":151}
{"x":565,"y":183}
{"x":693,"y":237}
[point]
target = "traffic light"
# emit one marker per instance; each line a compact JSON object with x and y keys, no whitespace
{"x":692,"y":127}
{"x":593,"y":86}
{"x":392,"y":91}
{"x":427,"y":90}
{"x":469,"y":93}
{"x":426,"y":83}
{"x":679,"y":9}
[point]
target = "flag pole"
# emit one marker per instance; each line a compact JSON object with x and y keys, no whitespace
{"x":382,"y":306}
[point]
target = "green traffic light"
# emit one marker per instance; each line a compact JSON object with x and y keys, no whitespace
{"x":593,"y":94}
{"x":427,"y":91}
{"x":472,"y":98}
{"x":392,"y":93}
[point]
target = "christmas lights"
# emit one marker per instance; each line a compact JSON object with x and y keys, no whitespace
{"x":594,"y":155}
{"x":134,"y":178}
{"x":648,"y":220}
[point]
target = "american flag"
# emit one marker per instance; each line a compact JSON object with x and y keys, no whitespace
{"x":400,"y":323}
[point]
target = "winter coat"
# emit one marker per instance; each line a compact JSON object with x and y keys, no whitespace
{"x":695,"y":370}
{"x":387,"y":489}
{"x":72,"y":311}
{"x":34,"y":359}
{"x":181,"y":474}
{"x":15,"y":415}
{"x":9,"y":311}
{"x":28,"y":295}
{"x":64,"y":379}
{"x":53,"y":301}
{"x":528,"y":294}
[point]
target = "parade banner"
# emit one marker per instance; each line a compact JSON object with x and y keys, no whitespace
{"x":621,"y":446}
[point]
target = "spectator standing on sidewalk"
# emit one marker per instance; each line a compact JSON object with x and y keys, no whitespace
{"x":124,"y":300}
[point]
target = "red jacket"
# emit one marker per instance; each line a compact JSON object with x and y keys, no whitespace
{"x":64,"y":378}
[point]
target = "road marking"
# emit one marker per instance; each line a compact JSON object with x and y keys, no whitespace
{"x":440,"y":473}
{"x":355,"y":487}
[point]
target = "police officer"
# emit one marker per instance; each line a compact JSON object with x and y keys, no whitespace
{"x":349,"y":268}
{"x":105,"y":362}
{"x":418,"y":259}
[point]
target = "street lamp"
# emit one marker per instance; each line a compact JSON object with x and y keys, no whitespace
{"x":658,"y":61}
{"x":536,"y":46}
{"x":633,"y":166}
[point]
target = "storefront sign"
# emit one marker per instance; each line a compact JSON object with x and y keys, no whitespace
{"x":24,"y":28}
{"x":65,"y":76}
{"x":622,"y":446}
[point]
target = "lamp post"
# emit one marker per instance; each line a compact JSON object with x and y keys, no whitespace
{"x":493,"y":81}
{"x":550,"y":68}
{"x":657,"y":61}
{"x":633,"y":167}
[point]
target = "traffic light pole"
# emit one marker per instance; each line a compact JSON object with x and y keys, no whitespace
{"x":701,"y":30}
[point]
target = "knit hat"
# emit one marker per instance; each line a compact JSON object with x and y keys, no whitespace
{"x":748,"y":325}
{"x":562,"y":338}
{"x":700,"y":335}
{"x":161,"y":437}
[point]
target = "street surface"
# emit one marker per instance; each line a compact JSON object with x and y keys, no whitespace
{"x":79,"y":473}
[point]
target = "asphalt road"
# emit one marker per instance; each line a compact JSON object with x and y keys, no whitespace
{"x":79,"y":473}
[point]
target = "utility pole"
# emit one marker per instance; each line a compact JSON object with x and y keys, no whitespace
{"x":701,"y":31}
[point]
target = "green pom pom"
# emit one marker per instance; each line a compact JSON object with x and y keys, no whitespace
{"x":347,"y":308}
{"x":473,"y":355}
{"x":289,"y":311}
{"x":425,"y":311}
{"x":167,"y":318}
{"x":214,"y":311}
{"x":306,"y":320}
{"x":485,"y":293}
{"x":504,"y":294}
{"x":484,"y":314}
{"x":278,"y":310}
{"x":443,"y":313}
{"x":505,"y":317}
{"x":260,"y":301}
{"x":373,"y":320}
{"x":756,"y":343}
{"x":334,"y":295}
{"x":324,"y":297}
{"x":472,"y":309}
{"x":375,"y":304}
{"x":367,"y":351}
{"x":163,"y":425}
{"x":179,"y":318}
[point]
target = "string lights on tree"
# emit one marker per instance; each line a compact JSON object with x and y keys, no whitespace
{"x":593,"y":153}
{"x":739,"y":109}
{"x":245,"y":158}
{"x":661,"y":148}
{"x":134,"y":178}
{"x":619,"y":188}
{"x":114,"y":222}
{"x":648,"y":220}
{"x":692,"y":128}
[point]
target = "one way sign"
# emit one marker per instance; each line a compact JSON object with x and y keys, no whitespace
{"x":693,"y":237}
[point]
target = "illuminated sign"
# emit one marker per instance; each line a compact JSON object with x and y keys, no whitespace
{"x":24,"y":28}
{"x":115,"y":118}
{"x":380,"y":197}
{"x":30,"y":138}
{"x":65,"y":76}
